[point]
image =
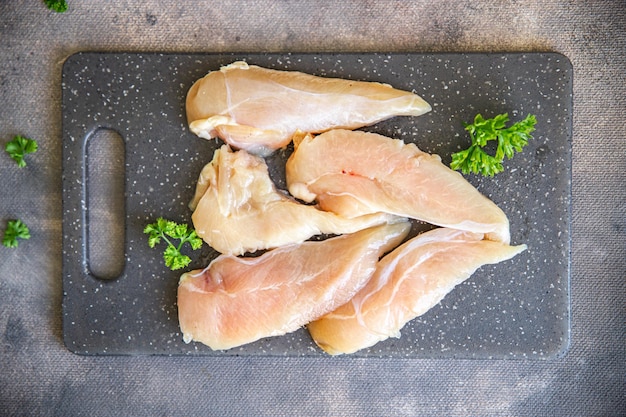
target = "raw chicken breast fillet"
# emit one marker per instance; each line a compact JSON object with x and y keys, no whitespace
{"x":237,"y":208}
{"x":407,"y":283}
{"x":235,"y":301}
{"x":259,"y":109}
{"x":355,"y":173}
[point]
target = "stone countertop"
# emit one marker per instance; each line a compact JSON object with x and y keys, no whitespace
{"x":39,"y":376}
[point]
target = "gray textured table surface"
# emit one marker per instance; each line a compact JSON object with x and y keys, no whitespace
{"x":39,"y":376}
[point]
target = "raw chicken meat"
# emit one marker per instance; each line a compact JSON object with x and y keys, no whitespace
{"x":407,"y":283}
{"x":259,"y":109}
{"x":235,"y":301}
{"x":355,"y":173}
{"x":238,"y":209}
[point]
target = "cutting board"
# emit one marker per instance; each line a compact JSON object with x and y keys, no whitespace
{"x":128,"y":158}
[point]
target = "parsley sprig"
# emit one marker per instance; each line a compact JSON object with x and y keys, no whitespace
{"x":510,"y":140}
{"x":58,"y":6}
{"x":169,"y":231}
{"x":15,"y":229}
{"x":19,"y":147}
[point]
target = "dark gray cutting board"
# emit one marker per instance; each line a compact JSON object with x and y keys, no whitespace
{"x":516,"y":309}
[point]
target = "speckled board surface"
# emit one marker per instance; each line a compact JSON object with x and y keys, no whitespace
{"x":516,"y":309}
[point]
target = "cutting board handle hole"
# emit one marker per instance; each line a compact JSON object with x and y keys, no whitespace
{"x":105,"y":211}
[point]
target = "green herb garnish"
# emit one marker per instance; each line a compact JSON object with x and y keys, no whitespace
{"x":510,"y":140}
{"x":19,"y":147}
{"x":58,"y":6}
{"x":15,"y":229}
{"x":168,"y":230}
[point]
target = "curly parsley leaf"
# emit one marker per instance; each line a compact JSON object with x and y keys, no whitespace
{"x":510,"y":140}
{"x":19,"y":147}
{"x":16,"y":229}
{"x":170,"y":231}
{"x":58,"y":6}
